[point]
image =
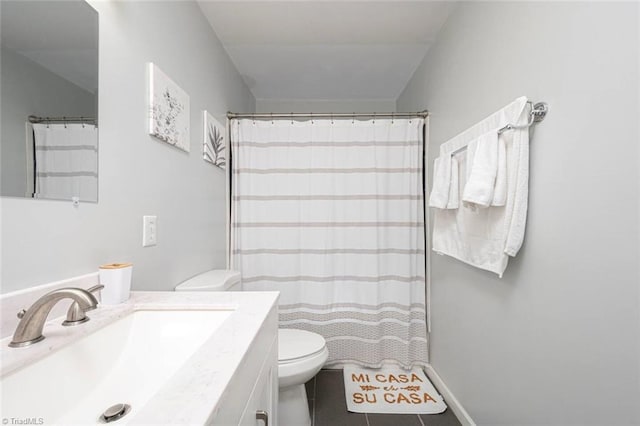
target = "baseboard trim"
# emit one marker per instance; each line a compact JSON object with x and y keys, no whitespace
{"x":457,"y":408}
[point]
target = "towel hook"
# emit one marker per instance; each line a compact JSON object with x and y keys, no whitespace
{"x":539,"y":112}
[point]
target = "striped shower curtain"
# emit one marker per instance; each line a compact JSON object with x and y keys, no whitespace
{"x":66,"y":161}
{"x":330,"y":213}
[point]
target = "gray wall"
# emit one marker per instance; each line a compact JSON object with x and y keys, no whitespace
{"x":30,"y":89}
{"x":43,"y":241}
{"x":324,"y":105}
{"x":556,"y":341}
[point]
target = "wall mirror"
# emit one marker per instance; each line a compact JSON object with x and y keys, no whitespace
{"x":49,"y":100}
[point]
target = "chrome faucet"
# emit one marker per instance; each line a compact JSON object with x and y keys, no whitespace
{"x":32,"y":320}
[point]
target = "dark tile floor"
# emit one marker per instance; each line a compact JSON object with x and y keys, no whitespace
{"x":328,"y":407}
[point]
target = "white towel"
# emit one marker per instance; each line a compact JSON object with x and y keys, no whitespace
{"x":454,"y":185}
{"x":518,"y":190}
{"x":500,"y":190}
{"x":482,"y":169}
{"x":444,"y":194}
{"x":441,"y":181}
{"x":486,"y":237}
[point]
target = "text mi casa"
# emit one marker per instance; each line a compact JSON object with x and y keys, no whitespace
{"x":386,"y":378}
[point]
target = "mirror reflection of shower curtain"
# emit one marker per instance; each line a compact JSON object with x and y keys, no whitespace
{"x":331,"y":214}
{"x":66,"y":161}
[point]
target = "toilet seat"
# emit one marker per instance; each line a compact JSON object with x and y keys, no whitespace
{"x":296,"y":345}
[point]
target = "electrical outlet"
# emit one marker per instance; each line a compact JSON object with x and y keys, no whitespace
{"x":149,"y":230}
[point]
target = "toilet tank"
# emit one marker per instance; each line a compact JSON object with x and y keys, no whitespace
{"x":214,"y":280}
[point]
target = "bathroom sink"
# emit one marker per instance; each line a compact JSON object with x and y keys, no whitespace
{"x":126,"y":362}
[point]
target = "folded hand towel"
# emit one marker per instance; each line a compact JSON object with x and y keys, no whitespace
{"x":441,"y":181}
{"x":454,"y":198}
{"x":444,"y":194}
{"x":482,"y":161}
{"x":500,"y":191}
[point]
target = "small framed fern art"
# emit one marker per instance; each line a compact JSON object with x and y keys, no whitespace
{"x":214,"y":141}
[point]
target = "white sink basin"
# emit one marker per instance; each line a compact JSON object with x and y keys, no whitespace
{"x":127,"y":361}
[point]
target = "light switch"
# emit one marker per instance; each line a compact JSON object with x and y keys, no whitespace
{"x":149,"y":230}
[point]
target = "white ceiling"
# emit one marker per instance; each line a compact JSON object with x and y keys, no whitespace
{"x":61,"y":36}
{"x":336,"y":50}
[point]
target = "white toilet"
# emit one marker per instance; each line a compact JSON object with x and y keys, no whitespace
{"x":301,"y":354}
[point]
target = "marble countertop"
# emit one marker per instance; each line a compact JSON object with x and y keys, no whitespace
{"x":204,"y":376}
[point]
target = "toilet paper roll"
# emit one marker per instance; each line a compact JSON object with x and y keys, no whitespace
{"x":116,"y":279}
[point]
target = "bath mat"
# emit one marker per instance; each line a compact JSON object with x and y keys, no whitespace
{"x":391,"y":390}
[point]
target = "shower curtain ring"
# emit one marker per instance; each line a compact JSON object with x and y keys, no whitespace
{"x":311,"y":114}
{"x":292,"y":118}
{"x":272,"y":119}
{"x":353,"y":118}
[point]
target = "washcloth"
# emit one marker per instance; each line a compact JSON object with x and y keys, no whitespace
{"x":482,"y":169}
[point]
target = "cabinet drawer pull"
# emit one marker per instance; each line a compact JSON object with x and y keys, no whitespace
{"x":264,"y":416}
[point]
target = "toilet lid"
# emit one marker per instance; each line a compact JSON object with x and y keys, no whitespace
{"x":293,"y":344}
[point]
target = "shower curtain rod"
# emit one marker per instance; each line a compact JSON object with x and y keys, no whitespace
{"x":36,"y":119}
{"x":269,"y":115}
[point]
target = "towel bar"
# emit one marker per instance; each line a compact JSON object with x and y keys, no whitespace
{"x":538,"y":113}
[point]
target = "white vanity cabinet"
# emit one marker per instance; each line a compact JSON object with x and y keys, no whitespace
{"x":261,"y":407}
{"x":177,"y":358}
{"x":253,"y":390}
